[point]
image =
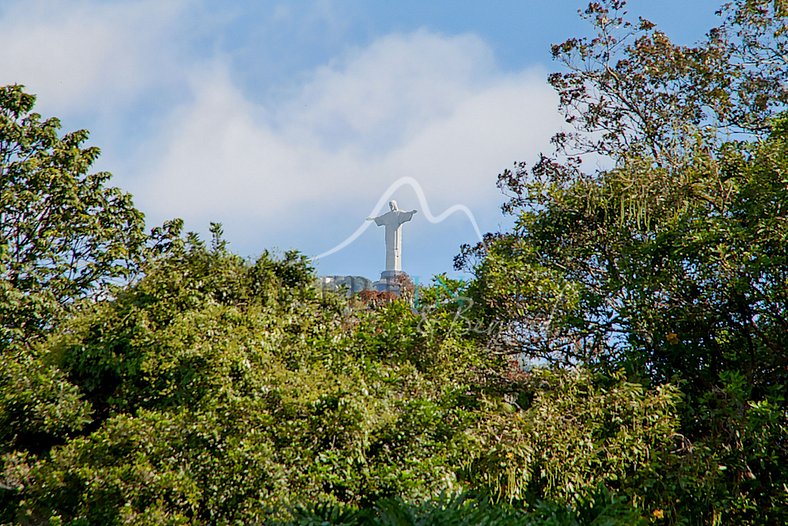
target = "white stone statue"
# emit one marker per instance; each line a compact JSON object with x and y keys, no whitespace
{"x":393,"y":221}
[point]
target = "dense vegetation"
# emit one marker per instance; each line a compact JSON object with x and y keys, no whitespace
{"x":619,"y":358}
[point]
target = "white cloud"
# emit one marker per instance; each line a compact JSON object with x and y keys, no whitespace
{"x":375,"y":97}
{"x":86,"y":56}
{"x":433,"y":107}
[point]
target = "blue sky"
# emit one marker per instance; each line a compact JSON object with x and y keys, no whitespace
{"x":288,"y":120}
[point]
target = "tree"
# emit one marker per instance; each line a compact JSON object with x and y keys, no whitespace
{"x":64,"y":237}
{"x":64,"y":234}
{"x":574,"y":433}
{"x":669,"y":264}
{"x":679,"y":241}
{"x":222,"y":391}
{"x":680,"y":270}
{"x":629,"y":89}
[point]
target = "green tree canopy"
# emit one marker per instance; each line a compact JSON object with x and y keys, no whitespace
{"x":64,"y":233}
{"x":671,"y":262}
{"x":64,"y":237}
{"x":649,"y":297}
{"x":221,"y":390}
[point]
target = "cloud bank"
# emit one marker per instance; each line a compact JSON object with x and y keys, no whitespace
{"x":421,"y":105}
{"x":434,"y":107}
{"x":87,"y":56}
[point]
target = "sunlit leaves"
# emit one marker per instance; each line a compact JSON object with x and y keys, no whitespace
{"x":64,"y":234}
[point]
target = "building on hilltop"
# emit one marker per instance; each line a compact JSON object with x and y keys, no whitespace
{"x":350,"y":284}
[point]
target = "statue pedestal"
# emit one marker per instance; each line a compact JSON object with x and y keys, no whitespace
{"x":390,"y":281}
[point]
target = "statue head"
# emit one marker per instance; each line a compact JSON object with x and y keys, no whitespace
{"x":393,"y":205}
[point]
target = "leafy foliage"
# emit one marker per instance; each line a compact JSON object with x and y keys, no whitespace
{"x":63,"y":233}
{"x":629,"y":90}
{"x":670,"y":264}
{"x":467,"y":509}
{"x":678,"y":272}
{"x":221,"y":390}
{"x":64,"y":237}
{"x":214,"y":390}
{"x":619,"y":358}
{"x":573,"y":434}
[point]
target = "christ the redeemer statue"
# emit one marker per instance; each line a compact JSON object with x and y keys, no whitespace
{"x":393,"y":221}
